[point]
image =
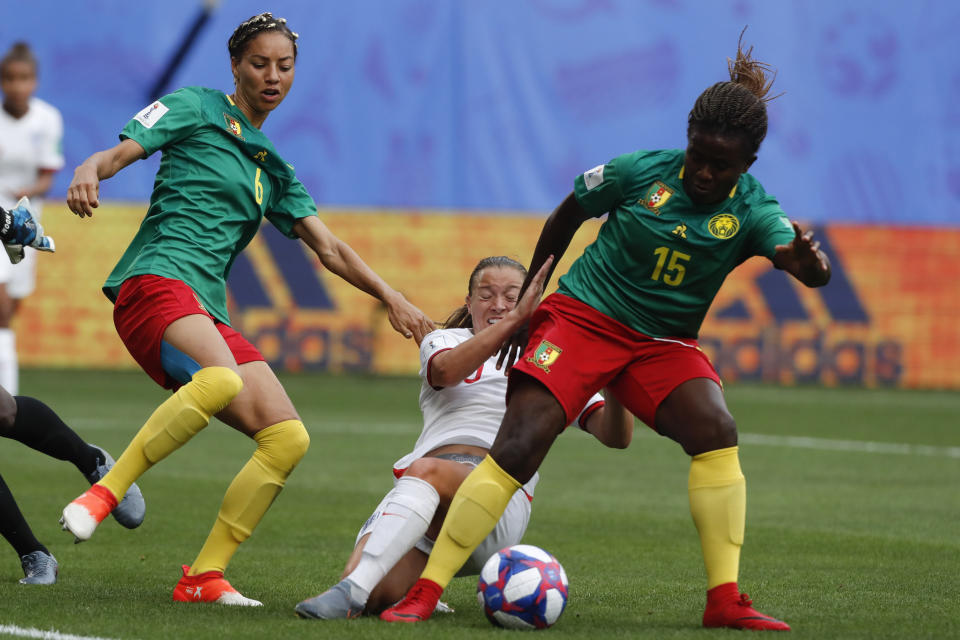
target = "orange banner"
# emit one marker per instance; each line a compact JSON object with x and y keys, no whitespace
{"x":888,"y":318}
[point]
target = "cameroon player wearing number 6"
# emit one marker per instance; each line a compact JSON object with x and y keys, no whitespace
{"x":626,"y":317}
{"x":219,"y":177}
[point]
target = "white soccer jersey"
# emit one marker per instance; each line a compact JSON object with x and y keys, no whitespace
{"x":466,"y":413}
{"x":28,"y":144}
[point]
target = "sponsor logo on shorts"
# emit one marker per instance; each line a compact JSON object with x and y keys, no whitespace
{"x":657,"y":196}
{"x":545,"y":355}
{"x":723,"y":226}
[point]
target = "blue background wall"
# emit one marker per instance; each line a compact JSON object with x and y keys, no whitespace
{"x":498,"y":104}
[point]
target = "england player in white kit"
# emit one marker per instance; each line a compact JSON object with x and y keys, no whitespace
{"x":31,"y":132}
{"x":463,"y":399}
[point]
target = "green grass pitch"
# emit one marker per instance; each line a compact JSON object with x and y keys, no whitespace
{"x":853,"y":518}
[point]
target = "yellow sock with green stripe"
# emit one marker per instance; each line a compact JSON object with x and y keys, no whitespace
{"x":279,"y":448}
{"x":718,"y":503}
{"x":474,"y":511}
{"x":173,"y":423}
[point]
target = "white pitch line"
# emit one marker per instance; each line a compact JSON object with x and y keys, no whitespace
{"x":863,"y":446}
{"x":13,"y":630}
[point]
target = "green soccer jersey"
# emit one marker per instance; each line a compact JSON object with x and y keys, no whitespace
{"x":218,"y":177}
{"x":659,"y":259}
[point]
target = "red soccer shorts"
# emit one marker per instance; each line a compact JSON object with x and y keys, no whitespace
{"x":145,"y":307}
{"x":575,"y":351}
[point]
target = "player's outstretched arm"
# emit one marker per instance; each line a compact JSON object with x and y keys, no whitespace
{"x":803,"y":259}
{"x":555,"y":237}
{"x":337,"y":256}
{"x":83,"y":194}
{"x":613,"y":424}
{"x":451,"y":367}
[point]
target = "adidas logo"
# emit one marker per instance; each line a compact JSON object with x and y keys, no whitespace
{"x":832,"y":342}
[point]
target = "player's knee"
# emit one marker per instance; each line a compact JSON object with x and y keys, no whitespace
{"x":283,"y":444}
{"x":709,"y":432}
{"x":527,"y":433}
{"x":216,"y":387}
{"x":519,"y":455}
{"x":297,"y":441}
{"x":721,"y":430}
{"x":429,"y":469}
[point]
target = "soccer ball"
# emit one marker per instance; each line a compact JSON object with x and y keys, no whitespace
{"x":522,"y":587}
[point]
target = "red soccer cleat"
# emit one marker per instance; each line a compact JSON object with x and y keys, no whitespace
{"x":417,"y":605}
{"x":82,"y":516}
{"x":727,"y":607}
{"x":210,"y":586}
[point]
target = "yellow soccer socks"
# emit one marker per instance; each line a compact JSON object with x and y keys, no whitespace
{"x":173,"y":423}
{"x":279,"y":448}
{"x":474,"y":511}
{"x":718,"y":503}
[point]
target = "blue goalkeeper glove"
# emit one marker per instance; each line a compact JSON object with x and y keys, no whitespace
{"x":19,"y":229}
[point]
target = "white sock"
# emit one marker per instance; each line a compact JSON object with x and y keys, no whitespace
{"x":8,"y":361}
{"x":408,"y":510}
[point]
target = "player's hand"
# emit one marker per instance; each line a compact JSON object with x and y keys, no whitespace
{"x":530,"y":299}
{"x":16,"y":252}
{"x":83,"y":194}
{"x":407,"y":319}
{"x":513,"y":347}
{"x":527,"y":304}
{"x":803,"y":258}
{"x":802,"y":249}
{"x":24,"y":230}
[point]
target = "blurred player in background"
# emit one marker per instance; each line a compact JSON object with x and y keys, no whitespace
{"x":31,"y":133}
{"x":219,"y":176}
{"x":462,"y":400}
{"x":627,"y":315}
{"x":33,"y":423}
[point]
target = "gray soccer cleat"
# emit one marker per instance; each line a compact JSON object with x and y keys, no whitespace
{"x":132,"y":509}
{"x":335,"y":602}
{"x":39,"y":568}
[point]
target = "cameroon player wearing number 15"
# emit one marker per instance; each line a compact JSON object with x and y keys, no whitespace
{"x":219,"y":176}
{"x":626,"y":317}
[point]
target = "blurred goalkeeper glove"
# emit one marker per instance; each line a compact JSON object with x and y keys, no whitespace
{"x":20,"y":228}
